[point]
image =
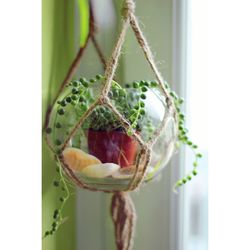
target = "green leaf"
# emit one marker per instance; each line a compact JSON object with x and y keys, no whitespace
{"x":84,"y":21}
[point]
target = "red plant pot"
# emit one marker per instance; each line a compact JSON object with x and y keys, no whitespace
{"x":113,"y":146}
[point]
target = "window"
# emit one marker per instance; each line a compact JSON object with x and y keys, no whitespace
{"x":196,"y":194}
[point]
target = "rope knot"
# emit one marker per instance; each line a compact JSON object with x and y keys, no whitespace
{"x":128,"y":8}
{"x":103,"y":99}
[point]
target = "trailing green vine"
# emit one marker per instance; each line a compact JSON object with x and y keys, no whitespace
{"x":185,"y":140}
{"x":129,"y":101}
{"x":58,"y":218}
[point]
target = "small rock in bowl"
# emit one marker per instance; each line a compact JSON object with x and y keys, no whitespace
{"x":100,"y":170}
{"x":77,"y":160}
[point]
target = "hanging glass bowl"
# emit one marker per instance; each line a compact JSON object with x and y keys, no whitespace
{"x":95,"y":148}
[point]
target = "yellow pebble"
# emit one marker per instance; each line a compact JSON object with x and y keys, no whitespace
{"x":77,"y":159}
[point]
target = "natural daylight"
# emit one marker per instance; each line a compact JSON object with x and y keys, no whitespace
{"x":124,"y":154}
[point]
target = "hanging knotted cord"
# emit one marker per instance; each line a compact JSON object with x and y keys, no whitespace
{"x":122,"y":208}
{"x":124,"y":218}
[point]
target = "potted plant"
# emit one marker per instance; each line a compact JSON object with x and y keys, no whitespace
{"x":107,"y":140}
{"x":102,"y":137}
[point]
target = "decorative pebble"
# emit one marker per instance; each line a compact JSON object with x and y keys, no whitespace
{"x":100,"y":170}
{"x":77,"y":159}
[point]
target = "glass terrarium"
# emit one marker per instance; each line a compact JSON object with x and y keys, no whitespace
{"x":96,"y":148}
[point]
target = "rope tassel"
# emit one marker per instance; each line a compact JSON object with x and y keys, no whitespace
{"x":124,"y":218}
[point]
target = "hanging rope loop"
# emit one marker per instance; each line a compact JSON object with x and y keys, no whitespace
{"x":128,"y":8}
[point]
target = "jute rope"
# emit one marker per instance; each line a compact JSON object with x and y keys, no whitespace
{"x":124,"y":218}
{"x":122,"y":208}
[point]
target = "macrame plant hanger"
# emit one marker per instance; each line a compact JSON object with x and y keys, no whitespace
{"x":122,"y":208}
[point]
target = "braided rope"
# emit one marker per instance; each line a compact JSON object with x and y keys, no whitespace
{"x":122,"y":207}
{"x":124,"y":217}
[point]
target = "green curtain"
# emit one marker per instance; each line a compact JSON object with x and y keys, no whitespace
{"x":57,"y":54}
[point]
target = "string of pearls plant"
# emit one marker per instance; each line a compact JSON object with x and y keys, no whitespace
{"x":183,"y":139}
{"x":130,"y":101}
{"x":59,"y":183}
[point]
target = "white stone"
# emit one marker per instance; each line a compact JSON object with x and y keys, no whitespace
{"x":100,"y":170}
